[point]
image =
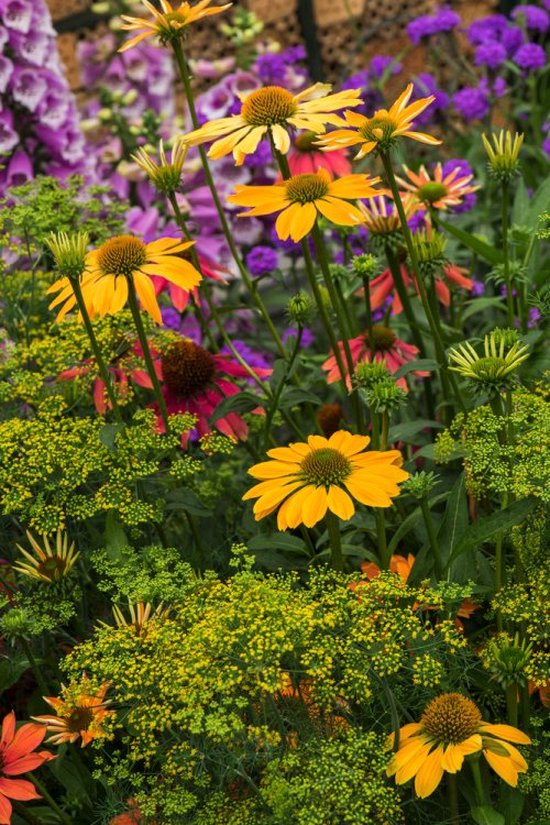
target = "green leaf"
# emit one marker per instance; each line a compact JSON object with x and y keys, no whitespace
{"x":422,"y":365}
{"x":482,"y":249}
{"x":485,"y":815}
{"x":11,"y":670}
{"x":540,"y":202}
{"x":187,"y":500}
{"x":511,"y":804}
{"x":480,"y":305}
{"x":405,"y":527}
{"x":489,"y":526}
{"x":455,"y":519}
{"x":241,"y":402}
{"x":279,"y":541}
{"x":115,"y":537}
{"x":521,"y":203}
{"x":403,"y":432}
{"x":297,"y":395}
{"x":108,"y":433}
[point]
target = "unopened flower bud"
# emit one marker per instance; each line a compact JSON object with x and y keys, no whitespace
{"x":130,"y":97}
{"x":365,"y":266}
{"x":503,"y":154}
{"x":301,"y":309}
{"x":69,"y":252}
{"x":420,"y":485}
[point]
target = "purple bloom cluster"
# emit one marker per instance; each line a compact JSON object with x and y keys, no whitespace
{"x":39,"y":129}
{"x":468,"y":201}
{"x":261,"y":260}
{"x":530,"y":57}
{"x":533,"y":17}
{"x":443,"y":20}
{"x":425,"y":85}
{"x":368,"y":80}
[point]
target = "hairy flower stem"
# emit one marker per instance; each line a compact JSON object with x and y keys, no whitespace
{"x":333,"y":527}
{"x":50,"y":801}
{"x":505,"y":220}
{"x":184,"y":74}
{"x":452,"y":795}
{"x":136,"y":315}
{"x":447,"y":378}
{"x":103,"y":371}
{"x":432,"y":538}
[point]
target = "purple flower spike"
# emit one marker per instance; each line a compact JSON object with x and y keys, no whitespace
{"x":28,"y":87}
{"x":6,"y":71}
{"x":19,"y":169}
{"x":8,"y":136}
{"x":16,"y":14}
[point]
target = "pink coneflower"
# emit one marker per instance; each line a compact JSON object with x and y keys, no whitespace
{"x":388,"y":349}
{"x":383,"y":286}
{"x":195,"y":381}
{"x":178,"y":296}
{"x":305,"y":158}
{"x":441,"y":191}
{"x":17,"y":756}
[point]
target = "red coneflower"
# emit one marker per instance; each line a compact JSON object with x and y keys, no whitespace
{"x":306,"y":158}
{"x":387,"y":349}
{"x":383,"y":286}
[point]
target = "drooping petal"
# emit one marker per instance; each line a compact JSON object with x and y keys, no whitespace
{"x":429,"y":774}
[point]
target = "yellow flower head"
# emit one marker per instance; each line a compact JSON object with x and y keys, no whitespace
{"x":79,"y":714}
{"x":302,"y":197}
{"x":441,"y":191}
{"x":382,"y":129}
{"x":274,"y":111}
{"x":119,"y":260}
{"x":304,"y":480}
{"x":166,"y":174}
{"x":451,"y":728}
{"x":140,"y":615}
{"x":47,"y":564}
{"x":382,"y":218}
{"x":169,"y":24}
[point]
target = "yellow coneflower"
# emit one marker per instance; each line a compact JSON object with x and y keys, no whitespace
{"x":503,"y":154}
{"x":441,"y":191}
{"x":381,"y":217}
{"x":500,"y":358}
{"x":166,"y":174}
{"x":301,"y":198}
{"x":273,"y":111}
{"x":451,"y":728}
{"x":382,"y":129}
{"x":47,"y":564}
{"x":304,"y":480}
{"x":80,"y":714}
{"x":127,"y":258}
{"x":140,"y":614}
{"x":168,"y":24}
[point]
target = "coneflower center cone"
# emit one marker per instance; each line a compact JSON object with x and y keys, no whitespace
{"x":265,"y":107}
{"x":121,"y":255}
{"x":383,"y":338}
{"x":325,"y":466}
{"x":451,"y":718}
{"x":432,"y":192}
{"x":306,"y":188}
{"x":187,"y":369}
{"x":80,"y":719}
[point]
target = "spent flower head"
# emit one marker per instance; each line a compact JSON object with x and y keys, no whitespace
{"x":166,"y":174}
{"x":492,"y":371}
{"x":69,"y":252}
{"x":503,"y":154}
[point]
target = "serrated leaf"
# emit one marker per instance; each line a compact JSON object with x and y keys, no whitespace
{"x":239,"y":403}
{"x":485,"y":815}
{"x":482,"y":249}
{"x":489,"y":526}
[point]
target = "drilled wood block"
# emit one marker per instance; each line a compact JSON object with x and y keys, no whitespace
{"x":65,"y":8}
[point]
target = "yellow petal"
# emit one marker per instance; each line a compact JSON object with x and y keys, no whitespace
{"x":506,"y":732}
{"x":315,"y":506}
{"x":290,"y":512}
{"x":340,"y":503}
{"x":429,"y":774}
{"x":270,"y":469}
{"x":504,"y":766}
{"x":274,"y":497}
{"x":146,"y":294}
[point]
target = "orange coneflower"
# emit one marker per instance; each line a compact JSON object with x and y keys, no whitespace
{"x":441,"y":191}
{"x":380,"y":215}
{"x":304,"y":480}
{"x":47,"y":564}
{"x":120,"y":260}
{"x":382,"y":129}
{"x":168,"y":24}
{"x":273,"y":111}
{"x":301,"y":198}
{"x":451,"y":728}
{"x":80,"y":714}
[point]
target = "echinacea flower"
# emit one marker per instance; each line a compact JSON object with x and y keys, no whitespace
{"x":166,"y":174}
{"x":132,"y":816}
{"x":195,"y":381}
{"x":441,"y":191}
{"x":304,"y":480}
{"x":306,"y":158}
{"x":450,"y":729}
{"x":273,"y":111}
{"x":380,"y":215}
{"x":120,"y":260}
{"x":79,"y":714}
{"x":383,"y":286}
{"x":492,"y":370}
{"x":47,"y":564}
{"x":387,"y":349}
{"x":179,"y":296}
{"x":382,"y":129}
{"x":16,"y":757}
{"x":170,"y":23}
{"x":140,"y":615}
{"x":301,"y":198}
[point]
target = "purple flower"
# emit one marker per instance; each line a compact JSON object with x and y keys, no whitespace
{"x":6,"y":71}
{"x":478,"y":288}
{"x":28,"y":87}
{"x":468,"y":201}
{"x":530,"y":56}
{"x":32,"y":47}
{"x":511,"y":39}
{"x":487,"y":28}
{"x":444,"y":20}
{"x":471,"y":102}
{"x":271,"y":69}
{"x":490,"y":54}
{"x":533,"y":17}
{"x":19,"y":169}
{"x":8,"y":136}
{"x":546,"y":146}
{"x":294,"y":54}
{"x":262,"y":259}
{"x":381,"y":62}
{"x":287,"y":246}
{"x":419,"y":28}
{"x":254,"y":359}
{"x":499,"y":87}
{"x":16,"y":14}
{"x":427,"y":85}
{"x":261,"y":157}
{"x":307,"y":336}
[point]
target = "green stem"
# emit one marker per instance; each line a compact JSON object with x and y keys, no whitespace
{"x":282,"y":383}
{"x":383,"y":552}
{"x":184,"y":74}
{"x":51,"y":802}
{"x":197,"y":539}
{"x":384,"y":430}
{"x":432,"y":538}
{"x":103,"y":371}
{"x":447,"y":378}
{"x":333,"y":527}
{"x":452,"y":795}
{"x":34,"y":667}
{"x":478,"y":784}
{"x":505,"y":251}
{"x":512,"y":704}
{"x":368,"y":316}
{"x":136,"y":315}
{"x":525,"y":708}
{"x":401,"y":290}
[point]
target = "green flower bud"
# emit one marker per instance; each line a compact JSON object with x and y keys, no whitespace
{"x":365,"y":266}
{"x":420,"y":485}
{"x":69,"y":252}
{"x":503,"y":154}
{"x":301,"y":309}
